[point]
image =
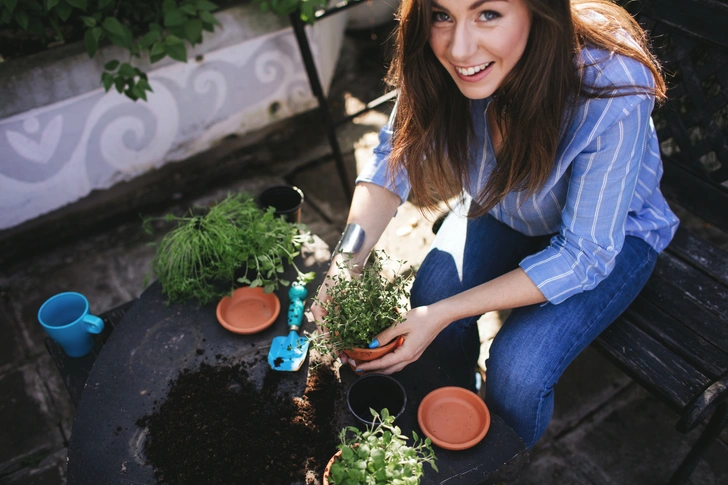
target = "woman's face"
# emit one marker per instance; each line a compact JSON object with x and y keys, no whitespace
{"x":479,"y":41}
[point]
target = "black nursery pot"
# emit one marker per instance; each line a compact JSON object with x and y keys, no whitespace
{"x":286,"y":199}
{"x":376,"y":391}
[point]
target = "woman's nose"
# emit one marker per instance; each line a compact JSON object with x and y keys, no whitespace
{"x":462,"y":44}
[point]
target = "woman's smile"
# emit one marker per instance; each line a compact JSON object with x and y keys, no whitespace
{"x":479,"y":43}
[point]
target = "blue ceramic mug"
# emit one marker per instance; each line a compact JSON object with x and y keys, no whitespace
{"x":66,"y":320}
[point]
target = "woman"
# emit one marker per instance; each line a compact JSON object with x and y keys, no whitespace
{"x":538,"y":111}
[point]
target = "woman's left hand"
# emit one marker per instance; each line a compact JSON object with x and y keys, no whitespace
{"x":419,"y":329}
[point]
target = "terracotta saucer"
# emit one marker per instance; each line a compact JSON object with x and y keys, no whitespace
{"x":453,"y":418}
{"x":248,"y":310}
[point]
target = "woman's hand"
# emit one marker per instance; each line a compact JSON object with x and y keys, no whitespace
{"x":419,"y":329}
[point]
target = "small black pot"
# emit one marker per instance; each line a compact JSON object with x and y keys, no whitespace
{"x":376,"y":391}
{"x":286,"y":199}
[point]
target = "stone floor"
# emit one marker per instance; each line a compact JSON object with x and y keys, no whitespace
{"x":605,"y":429}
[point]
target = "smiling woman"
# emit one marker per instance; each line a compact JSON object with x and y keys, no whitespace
{"x":536,"y":113}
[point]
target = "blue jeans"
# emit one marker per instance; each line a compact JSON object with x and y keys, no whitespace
{"x":536,"y":343}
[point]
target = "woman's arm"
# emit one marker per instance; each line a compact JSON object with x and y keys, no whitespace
{"x":422,"y":324}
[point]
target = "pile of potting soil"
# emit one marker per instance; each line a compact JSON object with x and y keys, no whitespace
{"x":215,"y":427}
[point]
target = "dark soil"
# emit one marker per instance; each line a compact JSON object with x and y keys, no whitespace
{"x":215,"y":427}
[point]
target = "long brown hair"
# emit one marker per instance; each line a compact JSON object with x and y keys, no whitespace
{"x":433,"y":127}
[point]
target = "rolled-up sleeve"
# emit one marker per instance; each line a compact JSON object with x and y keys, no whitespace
{"x":601,"y":185}
{"x":375,"y":170}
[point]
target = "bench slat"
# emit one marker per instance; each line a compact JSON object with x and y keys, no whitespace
{"x":693,"y":285}
{"x":701,"y":254}
{"x":648,"y":362}
{"x":679,"y":338}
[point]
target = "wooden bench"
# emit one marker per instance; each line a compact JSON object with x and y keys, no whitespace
{"x":673,"y":340}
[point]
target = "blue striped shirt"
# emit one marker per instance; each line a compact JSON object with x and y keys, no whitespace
{"x":604,"y":184}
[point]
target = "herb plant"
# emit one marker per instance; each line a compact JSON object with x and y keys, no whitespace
{"x":380,"y":455}
{"x":361,"y":306}
{"x":201,"y":257}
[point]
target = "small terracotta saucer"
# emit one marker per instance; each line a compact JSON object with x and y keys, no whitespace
{"x":453,"y":418}
{"x":248,"y":310}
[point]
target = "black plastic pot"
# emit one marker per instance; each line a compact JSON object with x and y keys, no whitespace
{"x":376,"y":391}
{"x":286,"y":199}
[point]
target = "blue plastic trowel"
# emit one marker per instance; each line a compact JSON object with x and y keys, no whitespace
{"x":288,"y":353}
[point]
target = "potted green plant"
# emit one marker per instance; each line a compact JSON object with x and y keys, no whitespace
{"x":203,"y":256}
{"x":379,"y":455}
{"x":360,"y":307}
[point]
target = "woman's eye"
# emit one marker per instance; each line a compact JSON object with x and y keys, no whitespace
{"x":438,"y":16}
{"x":489,"y":15}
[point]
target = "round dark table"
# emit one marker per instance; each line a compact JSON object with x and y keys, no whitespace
{"x":155,"y":341}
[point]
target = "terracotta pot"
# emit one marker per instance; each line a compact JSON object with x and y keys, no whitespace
{"x":365,"y":355}
{"x":327,"y":470}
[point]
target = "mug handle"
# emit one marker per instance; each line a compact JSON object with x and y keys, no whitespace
{"x":93,"y":324}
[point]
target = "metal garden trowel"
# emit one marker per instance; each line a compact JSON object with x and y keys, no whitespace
{"x":288,"y":353}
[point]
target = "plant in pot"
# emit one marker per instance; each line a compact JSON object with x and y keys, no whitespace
{"x":360,"y":307}
{"x":202,"y":257}
{"x":379,"y":455}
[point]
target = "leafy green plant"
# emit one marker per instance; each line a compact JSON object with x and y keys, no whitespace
{"x":158,"y":29}
{"x":307,"y":8}
{"x":202,"y":255}
{"x":361,"y":306}
{"x":380,"y":455}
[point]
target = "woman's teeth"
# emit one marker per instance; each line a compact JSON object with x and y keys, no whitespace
{"x":469,"y":71}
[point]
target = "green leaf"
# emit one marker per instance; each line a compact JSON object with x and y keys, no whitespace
{"x":168,"y":5}
{"x":193,"y":31}
{"x":121,"y":41}
{"x":64,"y":10}
{"x":209,"y":18}
{"x":269,"y":288}
{"x":49,"y":4}
{"x":21,"y":17}
{"x":208,"y":27}
{"x":206,"y":5}
{"x":107,"y":80}
{"x":10,"y":4}
{"x":127,"y":70}
{"x":150,"y":38}
{"x":173,"y":40}
{"x":189,"y":10}
{"x":155,"y":27}
{"x":105,"y":3}
{"x":79,"y":4}
{"x":113,"y":26}
{"x":6,"y":16}
{"x":91,"y":42}
{"x":88,"y":21}
{"x":120,"y":82}
{"x":157,"y":48}
{"x":174,"y":18}
{"x":144,"y":84}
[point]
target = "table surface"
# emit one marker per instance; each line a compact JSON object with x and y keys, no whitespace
{"x":154,"y":341}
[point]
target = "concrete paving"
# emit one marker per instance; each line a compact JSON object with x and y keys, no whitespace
{"x":605,"y":429}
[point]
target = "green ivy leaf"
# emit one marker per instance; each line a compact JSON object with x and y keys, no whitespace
{"x":21,"y":17}
{"x":91,"y":42}
{"x":189,"y":10}
{"x":64,"y":10}
{"x":209,"y":18}
{"x":155,"y":27}
{"x":49,"y":4}
{"x":121,"y":41}
{"x":174,"y":18}
{"x":107,"y":80}
{"x":10,"y":4}
{"x":150,"y":38}
{"x":88,"y":21}
{"x":79,"y":4}
{"x":120,"y":82}
{"x":157,"y":49}
{"x":127,"y":70}
{"x":206,"y":5}
{"x":178,"y":52}
{"x":173,"y":40}
{"x":144,"y":84}
{"x":193,"y":31}
{"x":113,"y":26}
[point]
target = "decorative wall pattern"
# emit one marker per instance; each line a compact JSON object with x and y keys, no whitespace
{"x":57,"y":154}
